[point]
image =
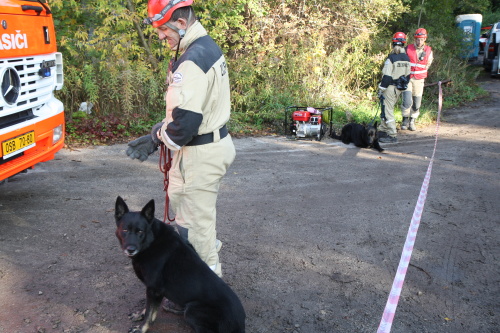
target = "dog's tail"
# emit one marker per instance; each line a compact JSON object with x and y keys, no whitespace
{"x":335,"y":136}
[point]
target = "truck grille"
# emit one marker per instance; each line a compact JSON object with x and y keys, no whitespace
{"x":34,"y":91}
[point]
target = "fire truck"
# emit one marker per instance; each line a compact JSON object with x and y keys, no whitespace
{"x":31,"y":69}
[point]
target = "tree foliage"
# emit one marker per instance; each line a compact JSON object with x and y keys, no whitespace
{"x":280,"y":52}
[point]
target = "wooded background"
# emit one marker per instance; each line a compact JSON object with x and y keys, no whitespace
{"x":279,"y":52}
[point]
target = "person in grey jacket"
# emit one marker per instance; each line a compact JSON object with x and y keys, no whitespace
{"x":395,"y":78}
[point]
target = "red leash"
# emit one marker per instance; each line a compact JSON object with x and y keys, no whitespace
{"x":165,"y":163}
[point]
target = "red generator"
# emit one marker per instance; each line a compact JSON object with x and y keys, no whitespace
{"x":308,"y":122}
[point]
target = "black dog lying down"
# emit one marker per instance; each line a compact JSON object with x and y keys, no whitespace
{"x":170,"y":267}
{"x":362,"y":137}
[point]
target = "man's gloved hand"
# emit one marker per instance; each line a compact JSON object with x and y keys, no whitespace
{"x":154,"y":133}
{"x":381,"y":91}
{"x":141,"y":148}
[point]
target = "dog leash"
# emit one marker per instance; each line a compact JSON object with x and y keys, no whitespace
{"x":165,"y":163}
{"x":376,"y":112}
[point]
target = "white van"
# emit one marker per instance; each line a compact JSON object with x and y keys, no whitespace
{"x":491,"y":47}
{"x":495,"y":67}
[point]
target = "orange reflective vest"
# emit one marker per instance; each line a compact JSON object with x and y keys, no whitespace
{"x":418,"y":67}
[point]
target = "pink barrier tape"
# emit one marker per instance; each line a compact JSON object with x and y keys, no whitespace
{"x":397,"y":285}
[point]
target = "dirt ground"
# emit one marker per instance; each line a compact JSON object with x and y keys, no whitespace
{"x":312,"y":232}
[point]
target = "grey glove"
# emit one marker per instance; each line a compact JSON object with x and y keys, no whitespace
{"x":381,"y":91}
{"x":154,"y":133}
{"x":141,"y":148}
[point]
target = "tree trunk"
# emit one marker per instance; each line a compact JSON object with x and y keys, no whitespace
{"x":144,"y":42}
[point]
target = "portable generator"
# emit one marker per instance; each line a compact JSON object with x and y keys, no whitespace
{"x":308,"y":122}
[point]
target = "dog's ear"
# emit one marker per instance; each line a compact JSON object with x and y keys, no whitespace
{"x":375,"y":125}
{"x":120,"y":208}
{"x":149,"y":210}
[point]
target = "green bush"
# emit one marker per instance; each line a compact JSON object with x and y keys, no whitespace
{"x":280,"y":53}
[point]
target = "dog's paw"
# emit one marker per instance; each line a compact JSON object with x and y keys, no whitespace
{"x":135,"y":329}
{"x":137,"y":316}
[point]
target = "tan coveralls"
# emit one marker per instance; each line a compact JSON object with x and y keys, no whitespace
{"x":198,"y":102}
{"x":395,"y":66}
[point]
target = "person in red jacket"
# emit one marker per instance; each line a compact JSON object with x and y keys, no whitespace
{"x":421,"y":58}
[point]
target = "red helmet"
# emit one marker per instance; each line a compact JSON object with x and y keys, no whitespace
{"x":420,"y":33}
{"x":399,"y":38}
{"x":160,"y":11}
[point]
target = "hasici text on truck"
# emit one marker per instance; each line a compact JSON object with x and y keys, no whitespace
{"x":31,"y":69}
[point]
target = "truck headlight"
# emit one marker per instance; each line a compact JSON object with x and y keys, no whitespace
{"x":57,"y":134}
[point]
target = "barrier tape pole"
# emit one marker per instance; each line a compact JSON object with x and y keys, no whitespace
{"x":397,"y":285}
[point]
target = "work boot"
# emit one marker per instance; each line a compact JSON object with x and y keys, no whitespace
{"x":412,"y":126}
{"x":388,"y":139}
{"x":381,"y":134}
{"x":404,"y":124}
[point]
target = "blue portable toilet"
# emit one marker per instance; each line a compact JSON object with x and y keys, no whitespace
{"x":470,"y":25}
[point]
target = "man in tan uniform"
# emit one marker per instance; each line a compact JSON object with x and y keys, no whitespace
{"x":395,"y":77}
{"x":194,"y":128}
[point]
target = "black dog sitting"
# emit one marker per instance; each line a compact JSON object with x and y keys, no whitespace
{"x":362,"y":137}
{"x":169,"y":267}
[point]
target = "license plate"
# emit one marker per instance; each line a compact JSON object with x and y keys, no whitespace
{"x":18,"y":144}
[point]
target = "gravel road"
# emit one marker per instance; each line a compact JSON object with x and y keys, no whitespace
{"x":312,"y":232}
